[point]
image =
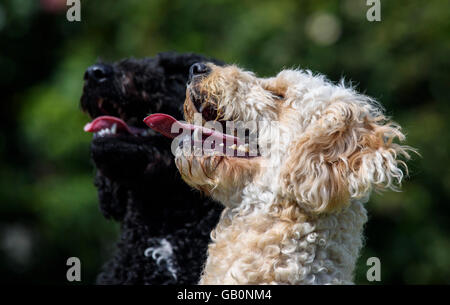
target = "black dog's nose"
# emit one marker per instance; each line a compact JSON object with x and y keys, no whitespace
{"x":198,"y":69}
{"x":98,"y":73}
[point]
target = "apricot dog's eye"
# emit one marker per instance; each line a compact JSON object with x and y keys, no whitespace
{"x":277,"y":93}
{"x":278,"y":96}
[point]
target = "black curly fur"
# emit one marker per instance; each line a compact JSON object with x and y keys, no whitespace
{"x":137,"y":181}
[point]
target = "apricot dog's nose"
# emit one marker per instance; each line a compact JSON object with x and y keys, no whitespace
{"x":198,"y":69}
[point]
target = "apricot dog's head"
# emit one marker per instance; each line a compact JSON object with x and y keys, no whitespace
{"x":304,"y":139}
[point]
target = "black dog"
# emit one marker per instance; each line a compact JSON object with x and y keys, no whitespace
{"x":165,"y":226}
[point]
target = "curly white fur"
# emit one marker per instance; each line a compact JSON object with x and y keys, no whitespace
{"x":162,"y":253}
{"x":295,"y":215}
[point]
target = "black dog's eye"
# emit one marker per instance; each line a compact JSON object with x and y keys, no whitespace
{"x":176,"y":81}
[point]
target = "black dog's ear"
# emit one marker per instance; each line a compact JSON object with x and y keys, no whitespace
{"x":112,"y":197}
{"x":181,"y":62}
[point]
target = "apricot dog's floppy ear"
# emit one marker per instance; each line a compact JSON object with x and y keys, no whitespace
{"x":343,"y":155}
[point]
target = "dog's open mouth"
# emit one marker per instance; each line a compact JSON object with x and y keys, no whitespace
{"x":217,"y":137}
{"x":203,"y":140}
{"x":106,"y":125}
{"x":110,"y":119}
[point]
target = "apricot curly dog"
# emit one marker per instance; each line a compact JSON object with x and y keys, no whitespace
{"x":294,"y":197}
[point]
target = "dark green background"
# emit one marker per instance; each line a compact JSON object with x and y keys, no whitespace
{"x":48,"y":206}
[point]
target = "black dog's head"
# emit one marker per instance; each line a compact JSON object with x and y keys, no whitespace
{"x":118,"y":97}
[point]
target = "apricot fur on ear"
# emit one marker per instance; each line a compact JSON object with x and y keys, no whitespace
{"x":342,"y":156}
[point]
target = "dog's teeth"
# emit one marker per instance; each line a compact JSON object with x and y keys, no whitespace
{"x":107,"y":131}
{"x":243,"y":148}
{"x":145,"y":133}
{"x":197,"y":134}
{"x":197,"y":150}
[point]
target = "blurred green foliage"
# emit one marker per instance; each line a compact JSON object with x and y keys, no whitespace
{"x":48,"y":206}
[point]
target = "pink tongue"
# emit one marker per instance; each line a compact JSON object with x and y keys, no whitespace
{"x":170,"y":127}
{"x":104,"y":122}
